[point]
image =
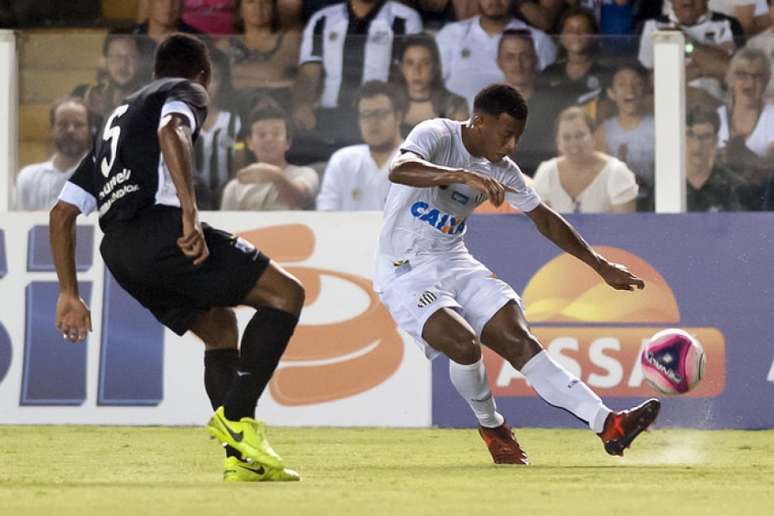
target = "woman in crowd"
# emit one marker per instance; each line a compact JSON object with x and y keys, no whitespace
{"x":420,"y":78}
{"x":582,"y":179}
{"x":747,"y":122}
{"x":576,"y":77}
{"x":262,"y":57}
{"x":214,"y":150}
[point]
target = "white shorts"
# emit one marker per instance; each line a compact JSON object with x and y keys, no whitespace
{"x":458,"y":281}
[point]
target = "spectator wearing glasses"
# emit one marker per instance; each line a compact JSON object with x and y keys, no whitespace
{"x":38,"y":185}
{"x":271,"y":183}
{"x":582,"y":179}
{"x":765,"y":43}
{"x":747,"y":122}
{"x":357,"y":177}
{"x":420,"y":79}
{"x":711,"y":186}
{"x":119,"y":75}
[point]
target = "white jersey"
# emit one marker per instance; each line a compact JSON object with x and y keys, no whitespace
{"x":427,"y":223}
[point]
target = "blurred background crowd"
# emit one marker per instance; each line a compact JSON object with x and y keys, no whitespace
{"x":310,"y":99}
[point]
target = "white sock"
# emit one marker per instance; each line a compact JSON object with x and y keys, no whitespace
{"x":559,"y":388}
{"x":472,"y":384}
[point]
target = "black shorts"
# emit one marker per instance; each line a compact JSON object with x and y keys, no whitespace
{"x":143,"y":256}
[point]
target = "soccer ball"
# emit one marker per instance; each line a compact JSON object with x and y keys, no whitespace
{"x":673,"y":361}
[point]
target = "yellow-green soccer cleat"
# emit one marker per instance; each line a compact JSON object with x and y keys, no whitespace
{"x":236,"y":470}
{"x":247,"y":436}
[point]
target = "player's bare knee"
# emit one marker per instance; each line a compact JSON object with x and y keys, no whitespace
{"x":463,"y":349}
{"x":521,"y":349}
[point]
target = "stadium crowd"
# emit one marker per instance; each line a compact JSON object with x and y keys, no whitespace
{"x":310,"y":99}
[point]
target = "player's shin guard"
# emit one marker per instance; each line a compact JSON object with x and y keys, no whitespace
{"x":471,"y":382}
{"x":559,"y":388}
{"x":263,"y":343}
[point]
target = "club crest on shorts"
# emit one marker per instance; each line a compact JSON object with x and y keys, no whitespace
{"x":425,"y":298}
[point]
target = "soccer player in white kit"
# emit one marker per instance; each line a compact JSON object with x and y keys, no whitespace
{"x":451,"y":303}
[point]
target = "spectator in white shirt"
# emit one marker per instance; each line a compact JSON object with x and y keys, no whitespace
{"x":582,"y":179}
{"x":38,"y":185}
{"x":469,"y":48}
{"x":356,"y":177}
{"x":271,"y":183}
{"x":710,"y":43}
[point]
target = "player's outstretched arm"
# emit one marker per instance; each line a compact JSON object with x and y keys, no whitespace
{"x":554,"y":227}
{"x":177,"y":148}
{"x":411,"y":170}
{"x":73,"y":320}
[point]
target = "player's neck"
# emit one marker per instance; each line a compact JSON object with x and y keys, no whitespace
{"x":470,"y":141}
{"x":494,"y":26}
{"x":64,"y":163}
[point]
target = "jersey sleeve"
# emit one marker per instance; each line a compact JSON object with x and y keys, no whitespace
{"x":424,"y":140}
{"x":312,"y":41}
{"x":80,"y":190}
{"x":190,"y":100}
{"x":524,"y":197}
{"x":622,"y":184}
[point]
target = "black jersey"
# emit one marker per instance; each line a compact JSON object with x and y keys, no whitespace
{"x":125,"y":173}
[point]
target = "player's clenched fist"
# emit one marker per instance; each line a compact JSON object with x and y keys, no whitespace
{"x":73,"y":319}
{"x":192,"y":243}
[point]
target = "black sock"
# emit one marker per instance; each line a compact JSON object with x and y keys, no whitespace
{"x":263,"y":343}
{"x":219,"y":371}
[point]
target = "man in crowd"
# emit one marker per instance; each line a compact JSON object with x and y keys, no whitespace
{"x":164,"y":18}
{"x":711,"y":185}
{"x":765,"y":43}
{"x":38,"y":185}
{"x":356,"y":177}
{"x":271,"y":183}
{"x":469,"y":48}
{"x":344,"y":46}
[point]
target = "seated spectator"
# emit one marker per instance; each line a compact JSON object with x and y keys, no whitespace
{"x":357,"y":177}
{"x":469,"y":48}
{"x":518,"y":60}
{"x":344,"y":46}
{"x":765,"y":43}
{"x":214,"y":149}
{"x":709,"y":40}
{"x":262,"y":57}
{"x":163,"y":19}
{"x":747,"y":123}
{"x":420,"y":80}
{"x":630,"y":135}
{"x":38,"y":185}
{"x":582,"y":179}
{"x":436,"y":13}
{"x":119,"y":75}
{"x":271,"y":183}
{"x":576,"y":77}
{"x":613,"y":16}
{"x":207,"y":16}
{"x":711,"y":185}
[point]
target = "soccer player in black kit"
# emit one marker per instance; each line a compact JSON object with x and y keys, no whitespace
{"x":139,"y":178}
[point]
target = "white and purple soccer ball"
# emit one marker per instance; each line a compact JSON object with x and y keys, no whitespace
{"x":673,"y":361}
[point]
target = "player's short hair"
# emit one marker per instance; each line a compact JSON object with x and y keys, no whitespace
{"x":497,"y":99}
{"x":270,"y":112}
{"x":702,"y":114}
{"x":372,"y":89}
{"x":116,"y":35}
{"x":181,"y":55}
{"x":523,"y":34}
{"x":67,"y":100}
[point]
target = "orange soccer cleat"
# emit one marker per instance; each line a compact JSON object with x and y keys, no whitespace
{"x":621,"y":428}
{"x":502,"y":445}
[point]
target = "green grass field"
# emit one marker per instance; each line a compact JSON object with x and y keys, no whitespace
{"x":62,"y":470}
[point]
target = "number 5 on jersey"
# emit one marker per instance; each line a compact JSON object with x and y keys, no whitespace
{"x":112,"y":135}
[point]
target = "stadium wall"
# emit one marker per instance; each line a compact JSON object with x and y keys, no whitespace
{"x":349,"y":366}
